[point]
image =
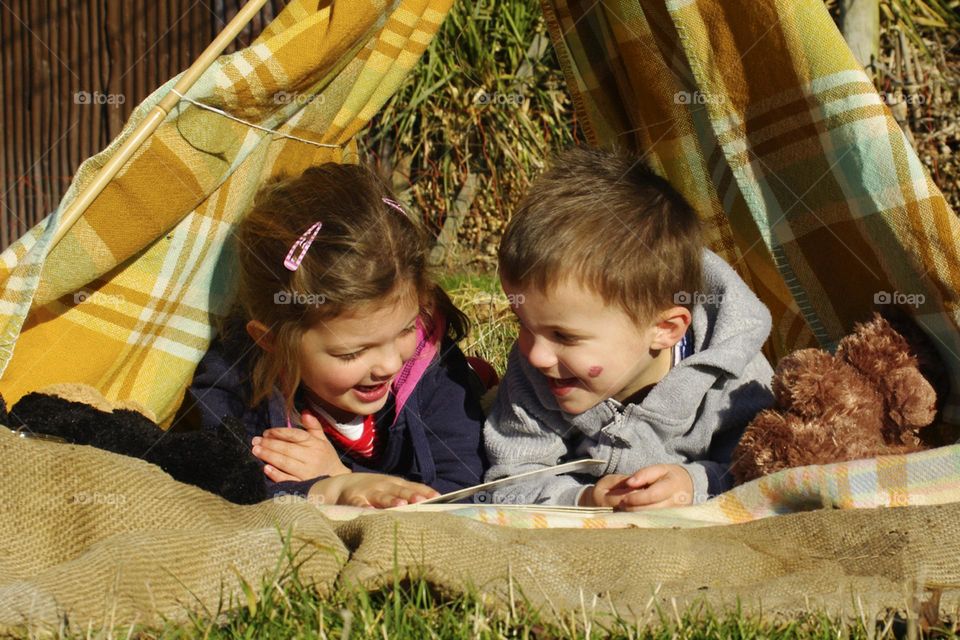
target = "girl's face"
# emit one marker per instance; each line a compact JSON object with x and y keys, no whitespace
{"x":348,"y":363}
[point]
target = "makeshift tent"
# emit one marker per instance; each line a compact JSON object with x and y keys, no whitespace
{"x":754,"y":108}
{"x":125,"y":301}
{"x":808,"y":185}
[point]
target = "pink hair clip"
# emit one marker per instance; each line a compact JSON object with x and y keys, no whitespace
{"x":393,"y":204}
{"x":304,"y":242}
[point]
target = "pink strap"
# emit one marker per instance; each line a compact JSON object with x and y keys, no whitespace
{"x":413,"y":370}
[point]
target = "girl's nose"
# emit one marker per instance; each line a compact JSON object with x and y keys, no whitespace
{"x":388,"y":364}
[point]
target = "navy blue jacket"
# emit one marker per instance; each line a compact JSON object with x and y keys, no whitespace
{"x":436,"y":439}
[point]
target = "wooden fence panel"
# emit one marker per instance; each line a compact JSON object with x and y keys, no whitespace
{"x":71,"y":71}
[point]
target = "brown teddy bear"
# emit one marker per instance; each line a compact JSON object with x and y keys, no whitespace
{"x":869,"y":399}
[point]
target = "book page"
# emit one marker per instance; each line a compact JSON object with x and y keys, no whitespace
{"x":585,"y":465}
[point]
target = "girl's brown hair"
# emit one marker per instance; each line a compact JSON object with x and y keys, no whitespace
{"x":366,"y":251}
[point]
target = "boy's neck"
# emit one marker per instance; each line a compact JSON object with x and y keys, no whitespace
{"x":659,"y":367}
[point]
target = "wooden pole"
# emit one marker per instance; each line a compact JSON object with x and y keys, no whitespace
{"x":860,"y":24}
{"x":154,"y":118}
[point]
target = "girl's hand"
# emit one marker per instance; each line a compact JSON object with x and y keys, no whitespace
{"x":369,"y":490}
{"x":298,"y":454}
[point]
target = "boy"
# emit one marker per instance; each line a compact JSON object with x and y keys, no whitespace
{"x":637,"y":345}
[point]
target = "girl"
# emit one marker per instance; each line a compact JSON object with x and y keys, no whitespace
{"x":342,"y":334}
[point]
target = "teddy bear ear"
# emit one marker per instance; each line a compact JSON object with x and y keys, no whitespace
{"x":875,"y":349}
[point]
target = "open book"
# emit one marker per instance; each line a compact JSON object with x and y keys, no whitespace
{"x":447,"y":500}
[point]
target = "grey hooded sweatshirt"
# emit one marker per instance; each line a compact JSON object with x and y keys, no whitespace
{"x":693,"y":416}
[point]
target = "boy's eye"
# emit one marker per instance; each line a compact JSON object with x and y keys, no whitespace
{"x":564,"y":338}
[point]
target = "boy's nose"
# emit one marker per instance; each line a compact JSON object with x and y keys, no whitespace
{"x":540,"y":355}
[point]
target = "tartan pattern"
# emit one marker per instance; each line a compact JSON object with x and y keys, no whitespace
{"x":924,"y":478}
{"x":757,"y":111}
{"x":126,"y":301}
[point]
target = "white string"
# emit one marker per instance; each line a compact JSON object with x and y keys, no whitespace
{"x":252,"y":125}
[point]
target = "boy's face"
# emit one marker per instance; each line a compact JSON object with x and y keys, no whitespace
{"x":589,"y":350}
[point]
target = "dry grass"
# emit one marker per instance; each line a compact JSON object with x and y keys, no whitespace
{"x":493,"y":327}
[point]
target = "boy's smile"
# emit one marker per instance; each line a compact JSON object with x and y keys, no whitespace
{"x":588,"y":350}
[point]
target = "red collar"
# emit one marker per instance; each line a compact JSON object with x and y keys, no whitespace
{"x":364,"y":446}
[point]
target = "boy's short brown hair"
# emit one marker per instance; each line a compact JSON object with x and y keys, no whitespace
{"x":604,"y":219}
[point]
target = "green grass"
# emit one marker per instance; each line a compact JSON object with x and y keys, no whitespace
{"x":287,"y":607}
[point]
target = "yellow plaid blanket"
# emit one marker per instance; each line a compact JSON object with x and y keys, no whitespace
{"x":757,"y":111}
{"x":126,"y":300}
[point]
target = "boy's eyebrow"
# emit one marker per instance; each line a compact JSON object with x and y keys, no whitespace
{"x":563,"y":329}
{"x":556,"y":327}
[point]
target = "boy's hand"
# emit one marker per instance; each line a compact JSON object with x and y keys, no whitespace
{"x":659,"y":485}
{"x":607,"y":492}
{"x":369,"y":490}
{"x":298,"y":454}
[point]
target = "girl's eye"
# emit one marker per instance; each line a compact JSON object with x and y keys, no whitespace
{"x":563,"y":338}
{"x":409,"y":330}
{"x":349,"y":356}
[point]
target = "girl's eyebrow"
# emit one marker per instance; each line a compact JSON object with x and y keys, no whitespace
{"x":348,"y":348}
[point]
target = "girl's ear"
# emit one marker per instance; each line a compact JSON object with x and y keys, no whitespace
{"x":261,"y":335}
{"x":671,"y":326}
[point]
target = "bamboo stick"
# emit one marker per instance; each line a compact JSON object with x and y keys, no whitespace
{"x":154,"y":118}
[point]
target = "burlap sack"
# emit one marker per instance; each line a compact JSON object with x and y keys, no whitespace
{"x":108,"y":540}
{"x":103,"y":539}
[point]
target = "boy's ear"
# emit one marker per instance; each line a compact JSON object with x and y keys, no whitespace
{"x":260,"y":334}
{"x":671,"y":325}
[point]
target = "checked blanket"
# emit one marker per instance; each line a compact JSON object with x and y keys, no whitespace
{"x":758,"y":112}
{"x":755,"y":109}
{"x":127,"y":300}
{"x":925,"y":478}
